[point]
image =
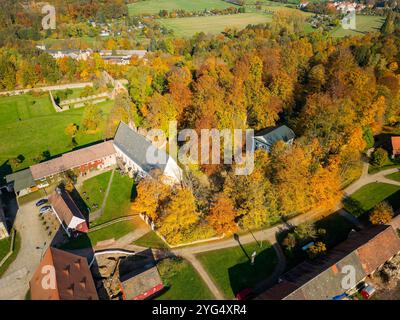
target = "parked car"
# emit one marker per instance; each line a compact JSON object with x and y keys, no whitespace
{"x":41,"y":202}
{"x":45,"y":209}
{"x":368,"y":291}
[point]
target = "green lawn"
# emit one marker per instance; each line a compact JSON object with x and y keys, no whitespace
{"x":394,"y":176}
{"x":114,"y":231}
{"x":182,"y":281}
{"x":118,"y":202}
{"x":232,"y":270}
{"x":76,"y":93}
{"x":30,"y":126}
{"x":151,"y":240}
{"x":186,"y":27}
{"x":154,"y":6}
{"x":93,"y":190}
{"x":389,"y":164}
{"x":370,"y":195}
{"x":364,"y":24}
{"x":5,"y":247}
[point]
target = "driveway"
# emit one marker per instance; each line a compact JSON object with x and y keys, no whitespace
{"x":15,"y":282}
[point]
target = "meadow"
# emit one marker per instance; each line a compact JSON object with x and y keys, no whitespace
{"x":30,"y":126}
{"x":364,"y":24}
{"x":154,"y":6}
{"x":186,"y":27}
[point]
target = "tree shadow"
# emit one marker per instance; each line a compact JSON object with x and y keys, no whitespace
{"x":353,"y":206}
{"x":246,"y":275}
{"x":10,"y":207}
{"x":5,"y":170}
{"x":133,"y":192}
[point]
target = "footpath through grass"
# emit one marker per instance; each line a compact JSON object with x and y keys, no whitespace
{"x":119,"y":200}
{"x":367,"y":197}
{"x":93,"y":190}
{"x":182,"y":281}
{"x":231,"y":268}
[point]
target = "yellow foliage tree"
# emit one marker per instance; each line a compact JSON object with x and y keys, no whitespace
{"x":381,"y":214}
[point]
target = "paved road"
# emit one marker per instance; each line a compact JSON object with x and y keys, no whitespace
{"x":15,"y":282}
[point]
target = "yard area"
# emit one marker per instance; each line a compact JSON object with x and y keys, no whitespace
{"x":186,"y":27}
{"x":93,"y":190}
{"x":4,"y":249}
{"x":151,"y":240}
{"x":119,"y":200}
{"x":154,"y":6}
{"x":394,"y":176}
{"x":389,"y":164}
{"x":30,"y":126}
{"x":182,"y":281}
{"x":370,"y":195}
{"x":364,"y":24}
{"x":231,"y":268}
{"x":91,"y":239}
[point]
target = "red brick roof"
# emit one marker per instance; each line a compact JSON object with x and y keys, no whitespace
{"x":71,"y":275}
{"x":64,"y":206}
{"x":396,"y":145}
{"x":379,"y":249}
{"x":72,"y":160}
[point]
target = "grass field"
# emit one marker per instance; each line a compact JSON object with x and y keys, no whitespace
{"x":93,"y":190}
{"x":232,"y":271}
{"x":182,"y":281}
{"x":118,"y":202}
{"x":5,"y":247}
{"x":29,"y":126}
{"x":114,"y":231}
{"x":151,"y":240}
{"x":394,"y":176}
{"x":186,"y":27}
{"x":154,"y":6}
{"x":364,"y":24}
{"x":370,"y":195}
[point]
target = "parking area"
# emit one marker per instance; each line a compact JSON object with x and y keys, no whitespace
{"x":34,"y":240}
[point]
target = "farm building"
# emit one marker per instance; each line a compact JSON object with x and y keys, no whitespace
{"x":395,"y":146}
{"x":67,"y":212}
{"x":62,"y":276}
{"x":321,"y":279}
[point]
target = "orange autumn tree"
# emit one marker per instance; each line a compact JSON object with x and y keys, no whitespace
{"x":222,"y":215}
{"x":151,"y":195}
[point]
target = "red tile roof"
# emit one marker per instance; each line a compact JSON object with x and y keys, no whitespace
{"x":72,"y":160}
{"x":70,"y":273}
{"x":379,"y":249}
{"x":396,"y":145}
{"x":64,"y":206}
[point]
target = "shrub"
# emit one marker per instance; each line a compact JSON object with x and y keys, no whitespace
{"x":381,"y":214}
{"x":379,"y":157}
